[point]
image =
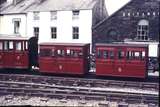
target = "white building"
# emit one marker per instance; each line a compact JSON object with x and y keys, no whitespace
{"x":68,"y":21}
{"x":13,"y":17}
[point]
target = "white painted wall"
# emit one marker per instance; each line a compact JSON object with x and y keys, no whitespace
{"x":64,"y":24}
{"x":7,"y":25}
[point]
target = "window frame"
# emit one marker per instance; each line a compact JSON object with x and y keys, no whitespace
{"x":36,"y":31}
{"x":53,"y":32}
{"x":75,"y":14}
{"x":36,"y":15}
{"x":75,"y":32}
{"x":53,"y":15}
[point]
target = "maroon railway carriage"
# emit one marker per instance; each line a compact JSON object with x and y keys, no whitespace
{"x":64,"y":58}
{"x":121,"y":60}
{"x":13,"y":52}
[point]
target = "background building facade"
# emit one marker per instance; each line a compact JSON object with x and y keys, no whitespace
{"x":138,"y":20}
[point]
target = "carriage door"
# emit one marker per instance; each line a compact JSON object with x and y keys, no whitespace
{"x":61,"y":59}
{"x":1,"y":53}
{"x":105,"y":61}
{"x":8,"y":54}
{"x":136,"y":62}
{"x":119,"y":67}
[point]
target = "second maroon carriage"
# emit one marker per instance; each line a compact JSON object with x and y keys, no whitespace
{"x":121,"y":60}
{"x":64,"y":58}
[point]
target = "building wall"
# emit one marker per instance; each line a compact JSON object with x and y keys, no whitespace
{"x":64,"y":24}
{"x":7,"y":25}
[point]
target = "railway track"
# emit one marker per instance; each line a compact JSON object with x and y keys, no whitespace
{"x":80,"y":82}
{"x":79,"y":93}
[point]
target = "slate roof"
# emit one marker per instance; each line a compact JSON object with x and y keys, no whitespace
{"x":24,"y":6}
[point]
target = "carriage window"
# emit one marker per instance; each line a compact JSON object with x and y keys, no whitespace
{"x":26,"y":45}
{"x":18,"y":46}
{"x":143,"y":55}
{"x":120,"y":54}
{"x":68,"y":52}
{"x":1,"y":46}
{"x":23,"y":46}
{"x":98,"y":54}
{"x":11,"y":45}
{"x":111,"y":55}
{"x":53,"y":52}
{"x":74,"y":53}
{"x":60,"y":52}
{"x":129,"y":55}
{"x":136,"y":55}
{"x":80,"y":53}
{"x":6,"y":45}
{"x":105,"y":54}
{"x":45,"y":52}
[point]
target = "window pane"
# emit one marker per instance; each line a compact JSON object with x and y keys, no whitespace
{"x":18,"y":46}
{"x":68,"y":52}
{"x":26,"y":45}
{"x":6,"y":45}
{"x":120,"y":54}
{"x":60,"y":53}
{"x":129,"y":55}
{"x":105,"y":54}
{"x":16,"y":27}
{"x":11,"y":45}
{"x":36,"y":15}
{"x":45,"y":52}
{"x":53,"y":52}
{"x":111,"y":55}
{"x":53,"y":32}
{"x":98,"y":54}
{"x":1,"y":46}
{"x":75,"y":14}
{"x":53,"y":15}
{"x":75,"y":32}
{"x":36,"y":31}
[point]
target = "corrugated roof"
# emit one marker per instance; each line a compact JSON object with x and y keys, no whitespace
{"x":46,"y":5}
{"x":49,"y":5}
{"x":20,"y":7}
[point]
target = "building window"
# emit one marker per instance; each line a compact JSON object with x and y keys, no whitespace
{"x":137,"y":13}
{"x":154,"y":13}
{"x":124,"y":14}
{"x":148,"y":13}
{"x":143,"y":30}
{"x":75,"y":31}
{"x":53,"y":32}
{"x":16,"y":27}
{"x":75,"y":14}
{"x":36,"y":31}
{"x":112,"y":35}
{"x":36,"y":15}
{"x":143,"y":14}
{"x":53,"y":15}
{"x":129,"y":14}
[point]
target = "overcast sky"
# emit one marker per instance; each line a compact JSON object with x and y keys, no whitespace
{"x":114,"y":5}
